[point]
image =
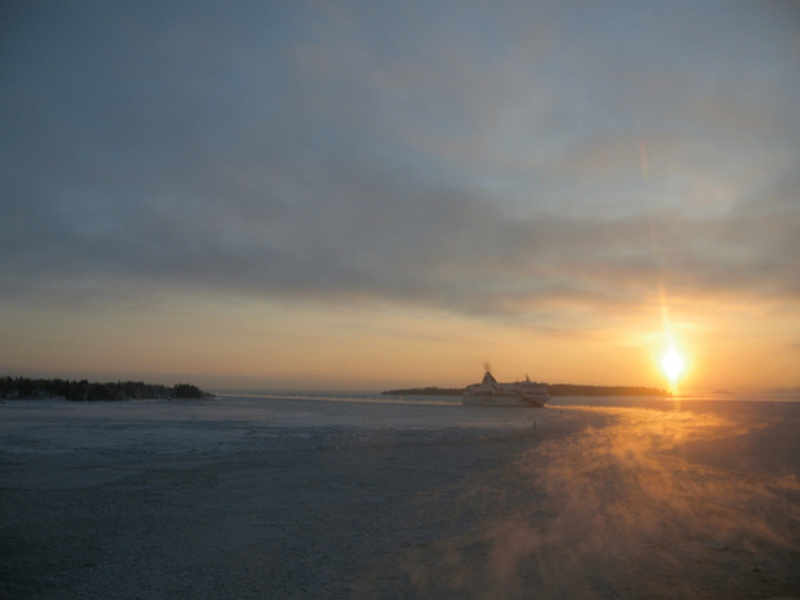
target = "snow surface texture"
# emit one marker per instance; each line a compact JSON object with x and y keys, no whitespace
{"x":291,"y":498}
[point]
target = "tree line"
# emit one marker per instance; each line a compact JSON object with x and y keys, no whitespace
{"x":83,"y":390}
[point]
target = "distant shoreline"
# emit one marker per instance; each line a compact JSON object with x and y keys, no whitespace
{"x":24,"y":388}
{"x":554,"y":389}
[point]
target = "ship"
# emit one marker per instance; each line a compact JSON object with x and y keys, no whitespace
{"x":489,"y":392}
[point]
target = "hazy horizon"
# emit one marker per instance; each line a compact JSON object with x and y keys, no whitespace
{"x":258,"y":386}
{"x":359,"y":197}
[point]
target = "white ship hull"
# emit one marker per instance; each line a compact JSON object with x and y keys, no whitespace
{"x":491,"y":393}
{"x":488,"y":399}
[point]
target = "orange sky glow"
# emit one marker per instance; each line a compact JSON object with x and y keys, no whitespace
{"x":313,"y":195}
{"x":365,"y":345}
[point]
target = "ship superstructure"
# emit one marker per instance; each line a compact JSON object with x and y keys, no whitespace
{"x":489,"y":392}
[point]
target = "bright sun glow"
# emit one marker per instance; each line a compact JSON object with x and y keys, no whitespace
{"x":672,"y":364}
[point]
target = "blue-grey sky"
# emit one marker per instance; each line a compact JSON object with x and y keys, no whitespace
{"x":588,"y":170}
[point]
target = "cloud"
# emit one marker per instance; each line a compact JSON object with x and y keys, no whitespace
{"x":346,"y":231}
{"x":488,"y":175}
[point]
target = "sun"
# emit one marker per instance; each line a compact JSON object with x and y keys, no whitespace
{"x":673,"y":365}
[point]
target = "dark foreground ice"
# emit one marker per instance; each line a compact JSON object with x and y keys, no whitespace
{"x":271,"y":498}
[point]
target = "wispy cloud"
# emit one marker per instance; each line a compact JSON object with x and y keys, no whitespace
{"x":485,"y":162}
{"x":375,"y":234}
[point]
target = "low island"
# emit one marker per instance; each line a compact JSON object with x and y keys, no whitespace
{"x":553,"y":389}
{"x":89,"y":391}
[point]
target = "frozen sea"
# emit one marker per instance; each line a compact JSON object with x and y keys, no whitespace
{"x":362,"y":496}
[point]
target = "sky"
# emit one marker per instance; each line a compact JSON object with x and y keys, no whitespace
{"x":359,"y":195}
